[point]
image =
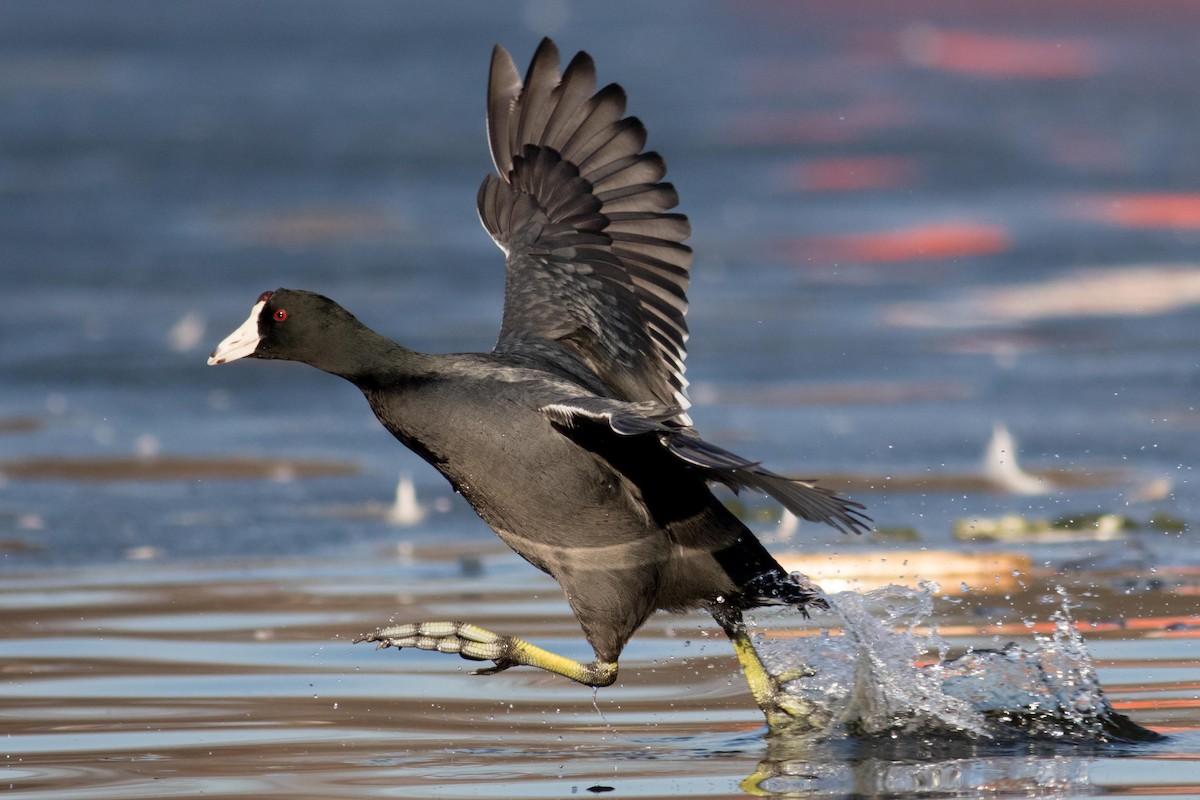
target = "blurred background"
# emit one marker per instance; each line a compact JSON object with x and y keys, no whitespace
{"x":912,"y":223}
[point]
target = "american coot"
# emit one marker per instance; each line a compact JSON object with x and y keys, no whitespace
{"x":571,"y":438}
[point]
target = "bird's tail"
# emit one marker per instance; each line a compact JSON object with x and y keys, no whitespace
{"x":776,"y":587}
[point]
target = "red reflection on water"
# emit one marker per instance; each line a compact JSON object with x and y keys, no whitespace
{"x":999,"y":56}
{"x":854,"y":173}
{"x":932,"y":241}
{"x":1158,"y":210}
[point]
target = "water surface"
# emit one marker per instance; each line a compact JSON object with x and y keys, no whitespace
{"x":911,"y":223}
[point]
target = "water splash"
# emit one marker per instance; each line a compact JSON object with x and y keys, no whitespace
{"x":866,"y":678}
{"x":1050,"y":691}
{"x":885,"y":672}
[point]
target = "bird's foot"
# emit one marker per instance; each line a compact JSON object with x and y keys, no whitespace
{"x":784,"y":711}
{"x":469,"y":641}
{"x":795,"y":674}
{"x":477,"y":644}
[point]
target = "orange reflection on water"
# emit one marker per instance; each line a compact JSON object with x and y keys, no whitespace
{"x":931,"y":241}
{"x":854,"y":173}
{"x":1179,"y":210}
{"x":1156,"y":703}
{"x":997,"y":56}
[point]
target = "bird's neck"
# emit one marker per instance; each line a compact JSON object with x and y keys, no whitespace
{"x":366,"y":358}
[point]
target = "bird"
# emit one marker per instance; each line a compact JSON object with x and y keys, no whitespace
{"x":571,"y":438}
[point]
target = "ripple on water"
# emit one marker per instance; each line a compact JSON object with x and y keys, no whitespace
{"x":244,"y":682}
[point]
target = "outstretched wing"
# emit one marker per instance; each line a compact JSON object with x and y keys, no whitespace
{"x":803,"y":498}
{"x":595,"y":263}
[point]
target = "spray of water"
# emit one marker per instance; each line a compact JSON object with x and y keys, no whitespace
{"x":879,"y":675}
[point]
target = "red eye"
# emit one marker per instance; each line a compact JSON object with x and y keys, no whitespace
{"x":280,"y":315}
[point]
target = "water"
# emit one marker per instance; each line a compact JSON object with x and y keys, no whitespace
{"x":911,"y":223}
{"x":241,"y":680}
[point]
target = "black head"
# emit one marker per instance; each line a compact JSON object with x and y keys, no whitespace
{"x":287,"y":324}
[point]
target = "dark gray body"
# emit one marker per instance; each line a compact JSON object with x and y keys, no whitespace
{"x":573,"y":514}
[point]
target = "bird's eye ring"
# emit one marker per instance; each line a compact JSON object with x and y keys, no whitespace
{"x":280,"y":315}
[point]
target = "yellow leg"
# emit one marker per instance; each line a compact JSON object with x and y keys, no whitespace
{"x":477,"y":644}
{"x":783,"y":711}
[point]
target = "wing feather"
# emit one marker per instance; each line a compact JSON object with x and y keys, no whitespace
{"x":595,"y":261}
{"x":504,"y":86}
{"x":628,"y":171}
{"x":802,"y":497}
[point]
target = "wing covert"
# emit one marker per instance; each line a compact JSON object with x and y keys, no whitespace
{"x":804,"y":498}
